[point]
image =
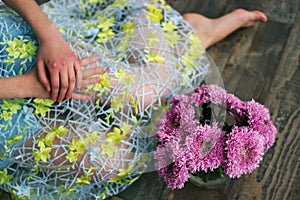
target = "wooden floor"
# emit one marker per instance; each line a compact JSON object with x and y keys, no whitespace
{"x":263,"y":63}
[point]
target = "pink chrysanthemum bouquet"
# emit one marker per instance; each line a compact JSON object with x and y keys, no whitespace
{"x":210,"y":129}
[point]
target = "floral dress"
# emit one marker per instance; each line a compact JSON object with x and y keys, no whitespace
{"x":94,"y":149}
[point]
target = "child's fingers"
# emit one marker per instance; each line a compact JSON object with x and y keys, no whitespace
{"x":81,"y":96}
{"x":90,"y":81}
{"x":88,"y":60}
{"x":93,"y":71}
{"x":42,"y":74}
{"x":78,"y":74}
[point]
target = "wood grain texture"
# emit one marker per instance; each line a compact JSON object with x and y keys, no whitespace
{"x":261,"y":62}
{"x":278,"y":175}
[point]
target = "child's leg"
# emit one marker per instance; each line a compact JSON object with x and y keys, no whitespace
{"x":211,"y":31}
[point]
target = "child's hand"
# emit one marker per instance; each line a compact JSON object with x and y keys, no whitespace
{"x":84,"y":77}
{"x":57,"y":66}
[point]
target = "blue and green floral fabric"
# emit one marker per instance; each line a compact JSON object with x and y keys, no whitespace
{"x":94,"y":149}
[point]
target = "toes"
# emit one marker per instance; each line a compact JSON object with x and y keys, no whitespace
{"x":261,"y":16}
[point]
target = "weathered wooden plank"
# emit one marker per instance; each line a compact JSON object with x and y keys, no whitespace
{"x":250,"y":76}
{"x":4,"y":195}
{"x":260,"y":62}
{"x":278,"y":175}
{"x":192,"y":192}
{"x":255,"y":56}
{"x":206,"y":7}
{"x":150,"y":186}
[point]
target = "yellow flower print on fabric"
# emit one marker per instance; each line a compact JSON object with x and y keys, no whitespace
{"x":4,"y":177}
{"x":126,"y":128}
{"x":172,"y":38}
{"x":109,"y":115}
{"x":152,"y":38}
{"x":108,"y":149}
{"x":118,"y":3}
{"x":128,"y":27}
{"x":155,"y":57}
{"x":72,"y":156}
{"x":89,"y":25}
{"x":134,"y":104}
{"x":122,"y":46}
{"x":43,"y":154}
{"x":55,"y":132}
{"x":116,"y":103}
{"x":115,"y":137}
{"x":85,"y":179}
{"x":19,"y":48}
{"x":188,"y":60}
{"x":14,"y":139}
{"x":171,"y":34}
{"x":124,"y":78}
{"x":194,"y":52}
{"x":186,"y":75}
{"x":163,"y":4}
{"x":128,"y":30}
{"x":77,"y":147}
{"x":101,"y":87}
{"x":194,"y":40}
{"x":123,"y":173}
{"x":144,"y":158}
{"x":168,"y":26}
{"x":105,"y":24}
{"x":97,"y":1}
{"x":10,"y":107}
{"x":6,"y":116}
{"x":104,"y":82}
{"x":92,"y":137}
{"x":104,"y":35}
{"x":42,"y":106}
{"x":154,"y":14}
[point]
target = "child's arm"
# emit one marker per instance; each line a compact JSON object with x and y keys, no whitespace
{"x":28,"y":85}
{"x":57,"y":65}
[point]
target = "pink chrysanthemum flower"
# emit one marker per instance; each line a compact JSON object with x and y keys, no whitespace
{"x":200,"y":95}
{"x":194,"y":136}
{"x":259,"y":120}
{"x":236,"y":109}
{"x":217,"y":95}
{"x":178,"y":121}
{"x":165,"y":132}
{"x":244,"y":151}
{"x":167,"y":154}
{"x":175,"y":174}
{"x":206,"y":148}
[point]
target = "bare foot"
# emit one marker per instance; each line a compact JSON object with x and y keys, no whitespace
{"x":211,"y":31}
